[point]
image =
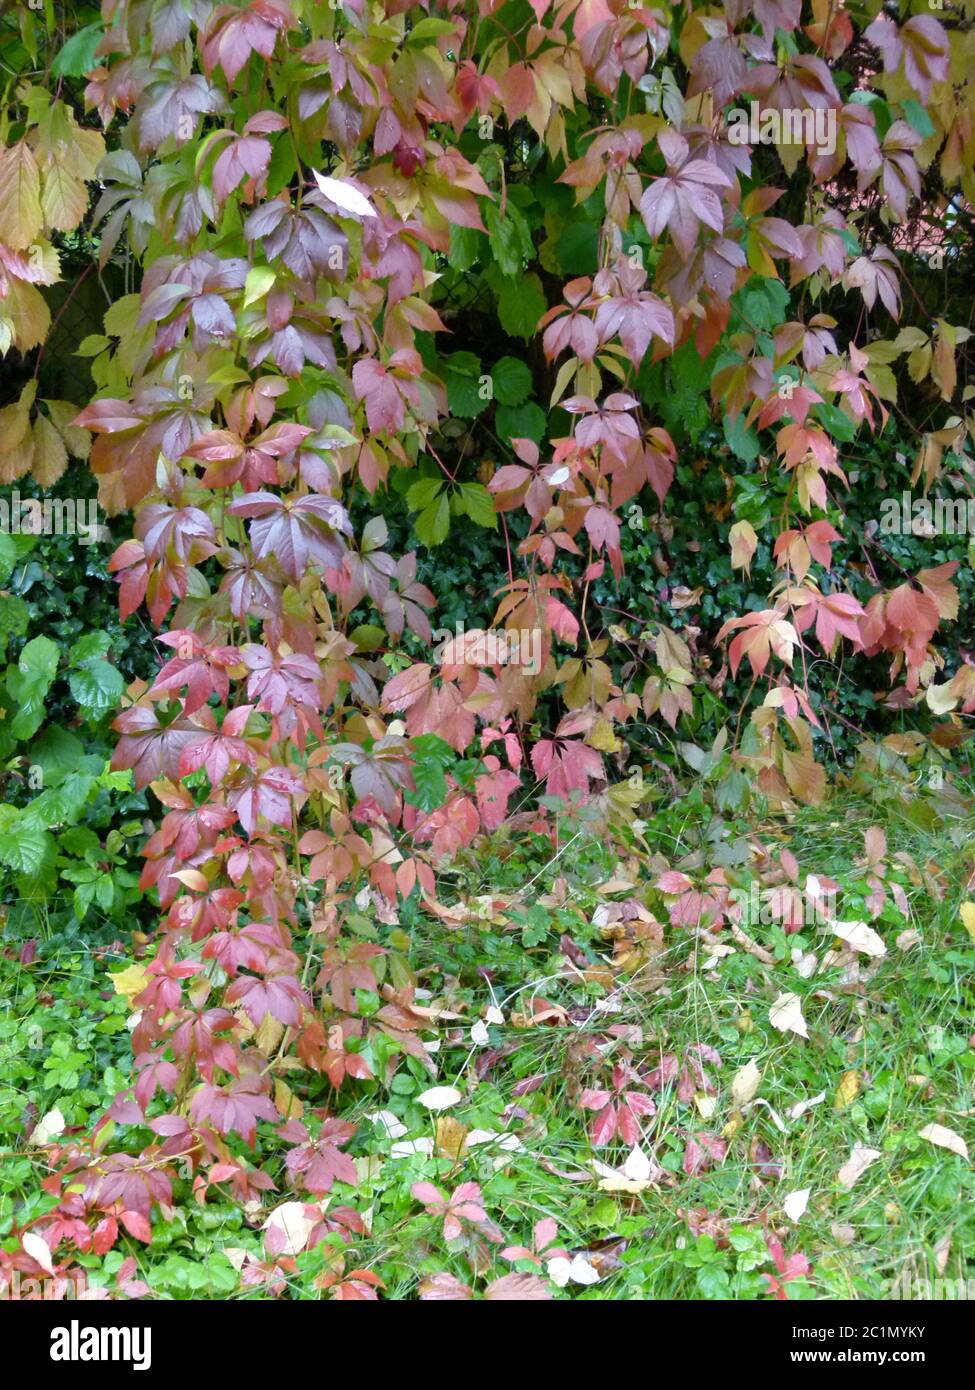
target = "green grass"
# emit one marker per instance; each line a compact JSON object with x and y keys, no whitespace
{"x":904,"y":1026}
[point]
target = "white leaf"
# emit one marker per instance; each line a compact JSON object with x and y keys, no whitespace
{"x":440,"y":1097}
{"x":795,"y":1204}
{"x":290,"y":1219}
{"x":48,"y":1127}
{"x":776,"y":1117}
{"x":945,"y":1139}
{"x":859,"y":937}
{"x":786,"y":1015}
{"x":344,"y":196}
{"x":857,"y":1164}
{"x":745,"y":1083}
{"x":582,"y":1272}
{"x":637,"y":1166}
{"x":800,"y":1108}
{"x":406,"y":1148}
{"x":509,"y":1142}
{"x":38,"y":1249}
{"x":391,"y":1124}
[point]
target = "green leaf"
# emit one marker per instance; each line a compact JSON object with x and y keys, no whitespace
{"x":835,"y":421}
{"x":92,"y":644}
{"x":28,"y":683}
{"x":528,"y":421}
{"x":508,"y":237}
{"x":467,"y":247}
{"x":14,"y":617}
{"x":512,"y":381}
{"x":423,"y":493}
{"x":432,"y":746}
{"x":742,"y":441}
{"x":467,"y":396}
{"x":428,"y":30}
{"x":474,"y":500}
{"x":56,"y":752}
{"x":25,"y":848}
{"x":97,"y":686}
{"x":762,"y":302}
{"x":521,"y":303}
{"x":12,"y":550}
{"x":433,"y":523}
{"x":77,"y":57}
{"x":577,"y":249}
{"x":918,"y":118}
{"x":60,"y":805}
{"x":430,"y":786}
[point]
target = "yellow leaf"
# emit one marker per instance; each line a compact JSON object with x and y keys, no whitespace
{"x":269,"y":1034}
{"x":131,"y":981}
{"x":848,"y":1090}
{"x":286,"y":1103}
{"x":603,"y":738}
{"x":967,"y":913}
{"x":451,"y":1137}
{"x":50,"y":455}
{"x":21,"y":218}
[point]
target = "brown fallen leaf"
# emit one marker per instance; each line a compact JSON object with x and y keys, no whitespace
{"x":857,"y":1164}
{"x":945,"y":1139}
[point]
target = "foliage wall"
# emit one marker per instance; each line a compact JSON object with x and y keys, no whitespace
{"x":388,"y":285}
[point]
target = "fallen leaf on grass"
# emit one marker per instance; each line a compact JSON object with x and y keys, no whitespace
{"x":795,"y":1204}
{"x":800,"y":1108}
{"x":578,"y":1269}
{"x":945,"y":1139}
{"x":786,"y":1015}
{"x":451,"y":1137}
{"x":440,"y":1097}
{"x":967,"y":914}
{"x":48,"y":1127}
{"x":776,"y":1117}
{"x":859,"y":937}
{"x":636,"y":1174}
{"x":289,"y":1227}
{"x":847,"y":1091}
{"x":745,"y":1084}
{"x":856,"y":1165}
